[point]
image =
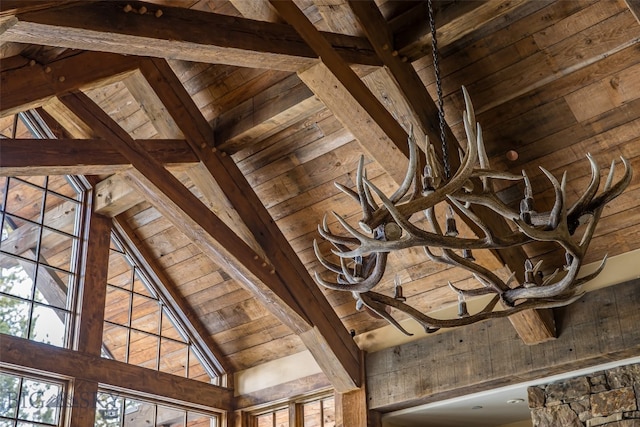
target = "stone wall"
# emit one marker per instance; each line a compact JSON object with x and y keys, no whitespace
{"x":609,"y":398}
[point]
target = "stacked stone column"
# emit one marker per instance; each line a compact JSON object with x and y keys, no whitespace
{"x":609,"y":398}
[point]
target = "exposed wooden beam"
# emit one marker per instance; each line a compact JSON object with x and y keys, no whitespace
{"x":113,"y":196}
{"x":404,"y":76}
{"x":38,"y":357}
{"x":238,"y":127}
{"x":83,"y":157}
{"x":601,"y":328}
{"x":32,"y":85}
{"x":634,"y":7}
{"x":188,"y":213}
{"x":92,"y":297}
{"x":337,"y":77}
{"x":166,"y":127}
{"x":348,"y":97}
{"x":533,"y":326}
{"x":284,"y":103}
{"x":176,"y":33}
{"x":327,"y":339}
{"x":454,"y":20}
{"x":212,"y":236}
{"x":94,"y":286}
{"x":11,"y":7}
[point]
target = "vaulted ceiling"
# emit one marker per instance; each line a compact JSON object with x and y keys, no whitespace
{"x":229,"y":100}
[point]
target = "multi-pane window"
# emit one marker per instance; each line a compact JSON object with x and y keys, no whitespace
{"x":39,"y":243}
{"x":114,"y":410}
{"x":30,"y":402}
{"x":320,"y":413}
{"x":277,"y":418}
{"x":140,"y":328}
{"x":315,"y":413}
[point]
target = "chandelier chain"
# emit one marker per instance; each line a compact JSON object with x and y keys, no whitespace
{"x":436,"y":67}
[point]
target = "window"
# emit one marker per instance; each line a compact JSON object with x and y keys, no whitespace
{"x":278,"y":418}
{"x":140,"y":328}
{"x":27,"y":402}
{"x":314,"y":413}
{"x":320,"y":413}
{"x":39,"y":243}
{"x":113,"y":410}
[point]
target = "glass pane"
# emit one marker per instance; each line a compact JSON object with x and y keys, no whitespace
{"x":114,"y":341}
{"x":9,"y":400}
{"x":196,"y":370}
{"x":329,"y":412}
{"x":143,"y":350}
{"x":60,"y":184}
{"x":265,"y":420}
{"x":52,"y":287}
{"x":145,"y":314}
{"x":139,"y":286}
{"x":19,"y":237}
{"x":282,"y":418}
{"x":312,"y":414}
{"x":173,"y":357}
{"x":108,"y":410}
{"x":117,"y":305}
{"x":40,"y":181}
{"x":49,"y":325}
{"x":17,"y":279}
{"x":200,"y":420}
{"x":170,"y":417}
{"x":120,"y":271}
{"x":24,"y":200}
{"x":6,"y":423}
{"x":56,"y":249}
{"x":14,"y":316}
{"x":169,"y":329}
{"x":38,"y":402}
{"x":139,"y":414}
{"x":60,"y":213}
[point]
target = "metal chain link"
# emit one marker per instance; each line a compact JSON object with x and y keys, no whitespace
{"x":436,"y":67}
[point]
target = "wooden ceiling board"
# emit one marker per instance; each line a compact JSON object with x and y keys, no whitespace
{"x":552,"y":80}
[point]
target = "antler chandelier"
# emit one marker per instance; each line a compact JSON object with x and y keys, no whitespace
{"x":386,"y":226}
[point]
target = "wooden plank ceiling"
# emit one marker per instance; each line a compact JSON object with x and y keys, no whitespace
{"x":552,"y":80}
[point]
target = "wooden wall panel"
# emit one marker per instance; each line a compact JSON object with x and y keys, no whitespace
{"x":422,"y":371}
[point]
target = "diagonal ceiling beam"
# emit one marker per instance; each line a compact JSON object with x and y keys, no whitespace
{"x":212,"y":236}
{"x":328,"y":341}
{"x":32,"y":85}
{"x":175,"y":32}
{"x":348,"y":97}
{"x":533,"y":326}
{"x":345,"y":86}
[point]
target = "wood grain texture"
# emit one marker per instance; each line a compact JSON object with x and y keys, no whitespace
{"x":32,"y":84}
{"x":340,"y":359}
{"x":85,"y":156}
{"x":94,"y":285}
{"x":238,"y":41}
{"x":33,"y":356}
{"x":592,"y":334}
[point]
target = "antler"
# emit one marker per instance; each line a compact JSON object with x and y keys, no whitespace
{"x":362,"y":254}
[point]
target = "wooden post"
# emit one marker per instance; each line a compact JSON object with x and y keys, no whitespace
{"x":92,"y":296}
